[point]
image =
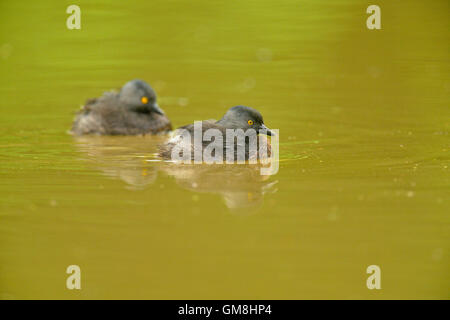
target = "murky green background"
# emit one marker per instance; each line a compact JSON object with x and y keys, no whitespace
{"x":364,"y":154}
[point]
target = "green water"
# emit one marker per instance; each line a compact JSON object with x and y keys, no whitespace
{"x":364,"y":151}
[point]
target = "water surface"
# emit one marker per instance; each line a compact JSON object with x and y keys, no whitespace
{"x":364,"y":151}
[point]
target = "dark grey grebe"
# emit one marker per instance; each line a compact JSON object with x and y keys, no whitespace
{"x":131,"y":111}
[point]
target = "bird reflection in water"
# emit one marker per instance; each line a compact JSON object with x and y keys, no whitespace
{"x":122,"y":157}
{"x":134,"y":160}
{"x":240,"y":185}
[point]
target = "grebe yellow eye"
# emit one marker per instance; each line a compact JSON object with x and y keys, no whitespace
{"x":144,"y":100}
{"x":250,"y":122}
